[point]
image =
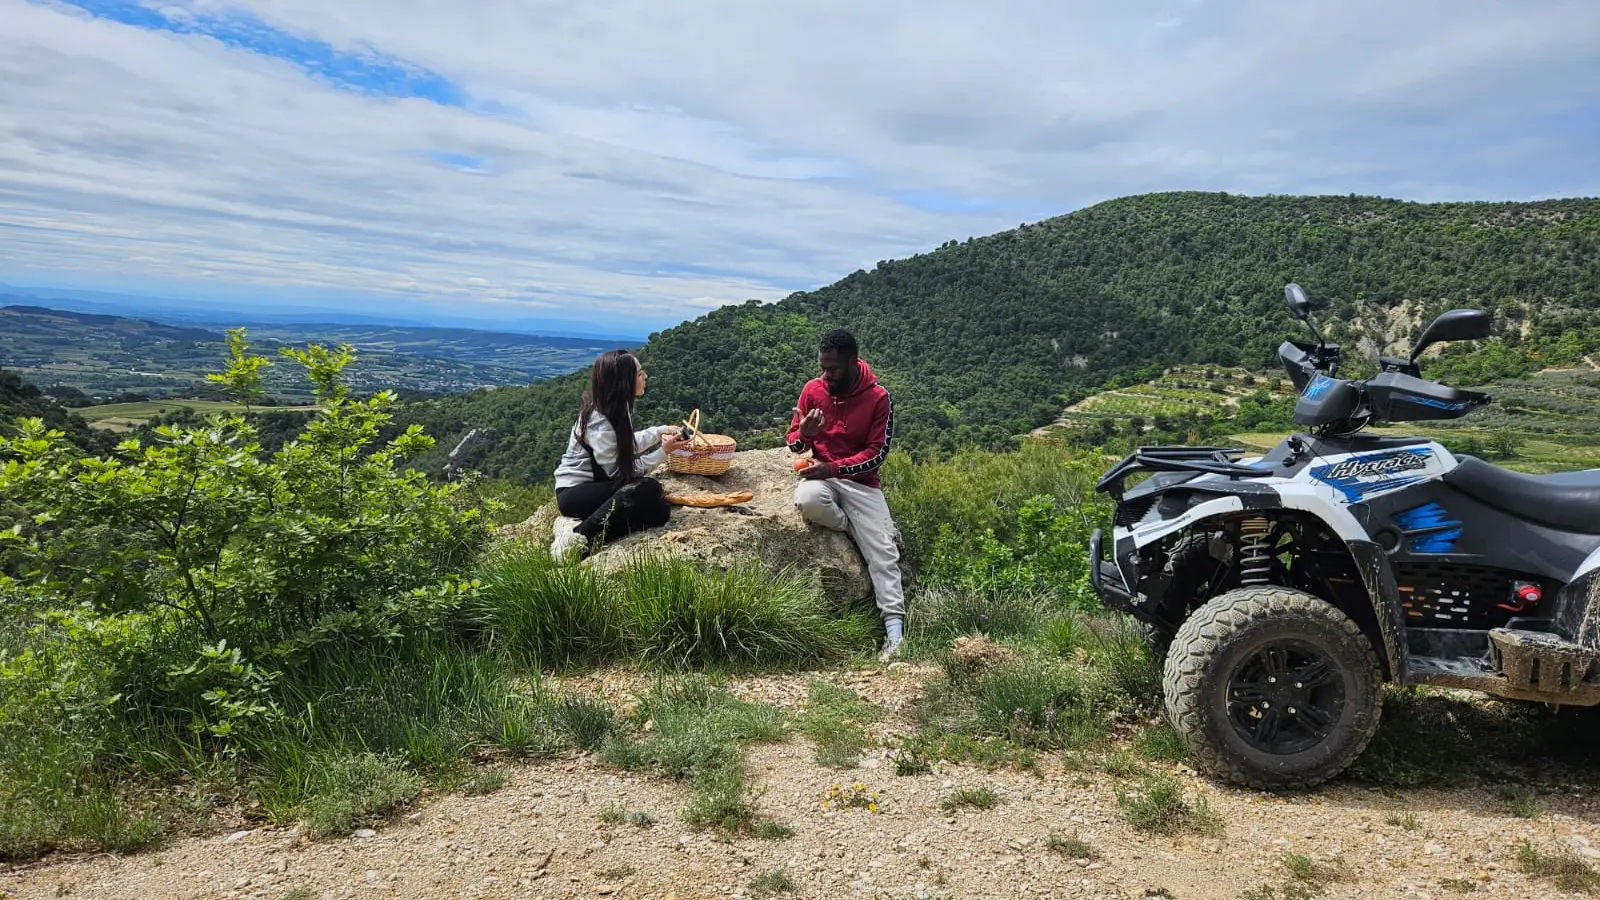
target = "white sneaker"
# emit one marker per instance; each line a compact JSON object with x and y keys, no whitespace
{"x":891,"y":649}
{"x":567,"y":544}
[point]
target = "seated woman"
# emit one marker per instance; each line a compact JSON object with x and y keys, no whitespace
{"x":602,"y":480}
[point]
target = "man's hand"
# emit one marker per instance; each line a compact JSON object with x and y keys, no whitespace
{"x":810,"y":423}
{"x":819,"y":469}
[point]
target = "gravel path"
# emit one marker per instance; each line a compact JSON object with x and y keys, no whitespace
{"x":541,"y":836}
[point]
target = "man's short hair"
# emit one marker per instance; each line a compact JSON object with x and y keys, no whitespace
{"x":841,"y":342}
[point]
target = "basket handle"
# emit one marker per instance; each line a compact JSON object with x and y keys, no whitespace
{"x":696,"y":440}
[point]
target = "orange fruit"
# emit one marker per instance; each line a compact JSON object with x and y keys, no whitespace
{"x":802,"y":464}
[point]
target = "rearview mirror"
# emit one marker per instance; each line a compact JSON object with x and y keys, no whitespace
{"x":1455,"y":325}
{"x":1299,"y":303}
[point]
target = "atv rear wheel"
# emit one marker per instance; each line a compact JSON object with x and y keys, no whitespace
{"x":1272,"y":688}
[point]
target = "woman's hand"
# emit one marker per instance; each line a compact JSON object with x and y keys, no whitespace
{"x":670,"y":441}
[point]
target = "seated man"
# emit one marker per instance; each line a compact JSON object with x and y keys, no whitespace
{"x":846,"y":419}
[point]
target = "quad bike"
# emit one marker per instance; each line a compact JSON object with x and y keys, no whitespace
{"x":1286,"y":590}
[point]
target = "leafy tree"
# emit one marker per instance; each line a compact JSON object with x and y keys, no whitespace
{"x":194,"y":568}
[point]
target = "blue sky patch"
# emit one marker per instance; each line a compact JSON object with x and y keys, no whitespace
{"x":461,"y":162}
{"x":366,"y":73}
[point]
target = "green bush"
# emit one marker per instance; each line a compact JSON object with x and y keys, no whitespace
{"x":1047,"y":554}
{"x":976,"y":493}
{"x":195,"y":568}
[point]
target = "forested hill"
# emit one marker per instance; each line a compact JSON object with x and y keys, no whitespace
{"x":19,"y":400}
{"x":985,"y":339}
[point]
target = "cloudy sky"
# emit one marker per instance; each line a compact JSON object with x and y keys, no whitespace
{"x":641,"y":161}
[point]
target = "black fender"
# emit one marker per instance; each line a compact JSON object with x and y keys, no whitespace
{"x":1383,"y":595}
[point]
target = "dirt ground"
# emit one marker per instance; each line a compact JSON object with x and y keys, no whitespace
{"x":541,"y":836}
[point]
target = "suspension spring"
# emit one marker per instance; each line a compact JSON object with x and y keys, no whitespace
{"x":1255,"y":557}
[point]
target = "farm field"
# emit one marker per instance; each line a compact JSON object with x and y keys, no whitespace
{"x":128,"y":416}
{"x":1547,"y":422}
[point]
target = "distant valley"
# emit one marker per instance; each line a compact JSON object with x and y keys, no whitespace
{"x":109,"y":358}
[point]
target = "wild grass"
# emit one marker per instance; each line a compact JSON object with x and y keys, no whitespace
{"x":697,"y":734}
{"x":683,"y":617}
{"x":543,"y":614}
{"x":982,"y":797}
{"x":1160,"y":806}
{"x":1070,"y":846}
{"x":941,"y":614}
{"x":1561,"y":868}
{"x":662,"y":612}
{"x":835,"y":720}
{"x":776,"y":881}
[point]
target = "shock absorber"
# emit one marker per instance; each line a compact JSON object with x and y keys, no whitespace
{"x":1255,"y":556}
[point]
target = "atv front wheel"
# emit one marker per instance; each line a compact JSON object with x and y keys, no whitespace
{"x":1272,"y":688}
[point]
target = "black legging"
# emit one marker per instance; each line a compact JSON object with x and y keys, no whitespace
{"x":613,"y":512}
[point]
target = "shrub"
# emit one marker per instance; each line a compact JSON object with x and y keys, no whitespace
{"x":196,"y":567}
{"x":975,"y":492}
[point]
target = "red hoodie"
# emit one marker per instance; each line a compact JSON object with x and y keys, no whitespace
{"x":856,"y":428}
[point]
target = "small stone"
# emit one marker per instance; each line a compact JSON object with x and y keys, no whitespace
{"x":1432,"y":849}
{"x":242,"y":883}
{"x":236,"y":837}
{"x":373,"y":877}
{"x":365,"y":833}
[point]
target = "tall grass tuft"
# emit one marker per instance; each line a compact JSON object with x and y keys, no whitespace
{"x":544,"y":613}
{"x":939,"y":615}
{"x":680,"y":616}
{"x":1035,"y":702}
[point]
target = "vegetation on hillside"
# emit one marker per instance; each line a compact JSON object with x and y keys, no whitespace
{"x":989,"y":338}
{"x":20,"y":399}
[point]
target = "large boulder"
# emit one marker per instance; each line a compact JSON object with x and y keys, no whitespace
{"x":767,"y":529}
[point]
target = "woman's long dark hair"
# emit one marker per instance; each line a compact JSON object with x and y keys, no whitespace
{"x":610,"y":392}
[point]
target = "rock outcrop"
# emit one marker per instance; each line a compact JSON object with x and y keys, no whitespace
{"x":767,"y":529}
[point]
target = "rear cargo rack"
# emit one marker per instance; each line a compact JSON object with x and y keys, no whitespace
{"x":1199,"y":460}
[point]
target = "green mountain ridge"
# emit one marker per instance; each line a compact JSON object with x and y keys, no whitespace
{"x":987,"y":339}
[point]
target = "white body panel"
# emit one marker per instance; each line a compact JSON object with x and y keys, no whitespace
{"x":1325,"y":487}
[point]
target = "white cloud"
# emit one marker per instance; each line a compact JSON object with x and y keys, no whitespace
{"x":653,"y":160}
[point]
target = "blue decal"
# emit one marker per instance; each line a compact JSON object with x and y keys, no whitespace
{"x":1434,"y":530}
{"x":1430,"y":401}
{"x":1359,"y":476}
{"x":1318,"y":386}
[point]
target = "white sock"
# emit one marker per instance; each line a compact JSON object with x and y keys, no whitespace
{"x":892,"y":625}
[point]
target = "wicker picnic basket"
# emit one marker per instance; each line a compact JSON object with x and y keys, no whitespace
{"x":706,"y":454}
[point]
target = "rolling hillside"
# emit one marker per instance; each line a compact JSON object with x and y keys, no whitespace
{"x":985,"y":340}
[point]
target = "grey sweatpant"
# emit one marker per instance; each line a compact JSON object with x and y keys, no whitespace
{"x":843,"y":505}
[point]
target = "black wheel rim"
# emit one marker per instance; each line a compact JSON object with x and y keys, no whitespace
{"x":1285,"y":697}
